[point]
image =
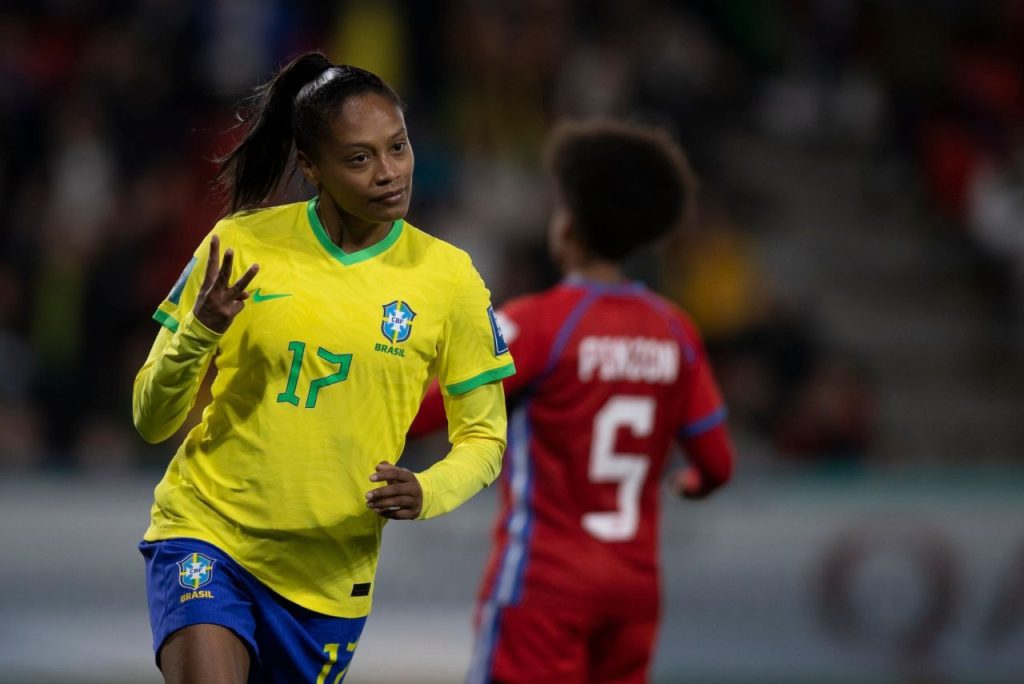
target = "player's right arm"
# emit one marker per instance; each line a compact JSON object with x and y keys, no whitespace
{"x":165,"y":388}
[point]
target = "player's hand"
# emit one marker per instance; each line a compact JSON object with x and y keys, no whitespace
{"x":218,"y":303}
{"x":689,"y":484}
{"x":401,"y":499}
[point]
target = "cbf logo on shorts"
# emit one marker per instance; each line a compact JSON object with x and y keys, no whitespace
{"x":195,"y":570}
{"x":397,"y":323}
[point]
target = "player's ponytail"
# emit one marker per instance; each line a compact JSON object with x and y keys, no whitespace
{"x":251,"y":171}
{"x":294,"y":107}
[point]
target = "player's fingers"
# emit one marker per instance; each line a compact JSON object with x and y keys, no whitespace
{"x":212,"y":263}
{"x":225,"y":268}
{"x":400,"y":499}
{"x":386,"y":471}
{"x":392,"y":502}
{"x":239,"y":287}
{"x":400,"y":514}
{"x":397,"y":489}
{"x":384,"y":465}
{"x":403,"y":514}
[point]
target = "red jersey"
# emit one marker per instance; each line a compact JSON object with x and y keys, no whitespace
{"x":607,"y":377}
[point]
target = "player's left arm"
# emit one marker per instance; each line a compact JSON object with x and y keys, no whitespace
{"x":703,"y":435}
{"x":472,"y":360}
{"x":711,"y":456}
{"x":476,"y":428}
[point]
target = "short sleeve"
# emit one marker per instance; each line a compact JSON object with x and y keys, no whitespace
{"x":703,"y":407}
{"x":473,"y":350}
{"x":182,"y":297}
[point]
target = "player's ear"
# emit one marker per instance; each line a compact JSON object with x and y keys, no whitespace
{"x":559,"y":223}
{"x":570,"y":231}
{"x":558,"y":228}
{"x":308,"y":168}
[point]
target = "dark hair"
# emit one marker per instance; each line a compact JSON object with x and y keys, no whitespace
{"x":294,"y":108}
{"x":624,"y":185}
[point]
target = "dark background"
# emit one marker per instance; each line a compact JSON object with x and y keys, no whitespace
{"x":856,"y":263}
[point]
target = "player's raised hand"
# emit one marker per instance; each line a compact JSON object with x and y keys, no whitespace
{"x":218,"y":302}
{"x":401,"y":499}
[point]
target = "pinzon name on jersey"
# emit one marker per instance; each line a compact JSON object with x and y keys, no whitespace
{"x":188,"y":596}
{"x":388,"y":349}
{"x":635,"y":359}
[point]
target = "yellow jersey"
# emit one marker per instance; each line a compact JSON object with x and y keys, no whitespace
{"x":318,"y":379}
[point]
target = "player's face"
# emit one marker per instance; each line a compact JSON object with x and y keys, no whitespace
{"x":365,"y":164}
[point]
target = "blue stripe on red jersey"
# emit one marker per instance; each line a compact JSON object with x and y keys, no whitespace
{"x":703,"y":424}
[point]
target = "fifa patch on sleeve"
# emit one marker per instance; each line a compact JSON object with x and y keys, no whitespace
{"x":500,"y":346}
{"x":179,"y":286}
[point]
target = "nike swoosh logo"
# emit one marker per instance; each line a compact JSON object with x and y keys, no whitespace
{"x":257,"y":297}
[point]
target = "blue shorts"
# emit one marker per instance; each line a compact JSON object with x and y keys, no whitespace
{"x":190,"y":582}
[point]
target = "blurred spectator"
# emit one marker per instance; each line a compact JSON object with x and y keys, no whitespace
{"x":831,"y":417}
{"x":779,"y":379}
{"x":995,"y":206}
{"x":21,"y":443}
{"x":110,"y":113}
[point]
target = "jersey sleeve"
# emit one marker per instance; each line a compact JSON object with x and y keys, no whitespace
{"x":165,"y":388}
{"x":476,"y":430}
{"x":520,"y":332}
{"x":520,"y":324}
{"x":182,"y":297}
{"x":703,"y":408}
{"x":472,"y":351}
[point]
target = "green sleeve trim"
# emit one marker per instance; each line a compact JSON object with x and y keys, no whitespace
{"x":487,"y":376}
{"x":165,"y":319}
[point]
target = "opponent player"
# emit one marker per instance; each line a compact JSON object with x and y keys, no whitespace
{"x":609,"y":375}
{"x":263,"y":542}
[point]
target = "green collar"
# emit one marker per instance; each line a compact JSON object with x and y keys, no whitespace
{"x":354,"y":257}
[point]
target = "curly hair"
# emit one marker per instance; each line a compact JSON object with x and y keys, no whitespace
{"x":625,"y":185}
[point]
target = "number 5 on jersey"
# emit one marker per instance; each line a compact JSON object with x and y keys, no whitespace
{"x":298,"y":350}
{"x":627,"y":470}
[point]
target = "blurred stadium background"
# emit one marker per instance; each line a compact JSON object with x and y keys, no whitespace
{"x":857,"y":265}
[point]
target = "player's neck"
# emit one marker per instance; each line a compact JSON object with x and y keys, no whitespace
{"x":348,"y":232}
{"x":597,"y":271}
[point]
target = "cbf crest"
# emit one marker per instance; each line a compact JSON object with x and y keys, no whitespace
{"x":397,"y":323}
{"x":195,"y":570}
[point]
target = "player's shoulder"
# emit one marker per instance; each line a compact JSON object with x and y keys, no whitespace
{"x":542,"y":312}
{"x":258,"y":224}
{"x":435,"y":252}
{"x":434,"y":246}
{"x":530,"y":303}
{"x":668,"y":308}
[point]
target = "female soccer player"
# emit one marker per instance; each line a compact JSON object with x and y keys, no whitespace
{"x":263,"y":542}
{"x":608,"y":376}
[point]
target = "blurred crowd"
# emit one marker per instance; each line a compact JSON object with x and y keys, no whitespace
{"x":111,"y":113}
{"x":960,"y":121}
